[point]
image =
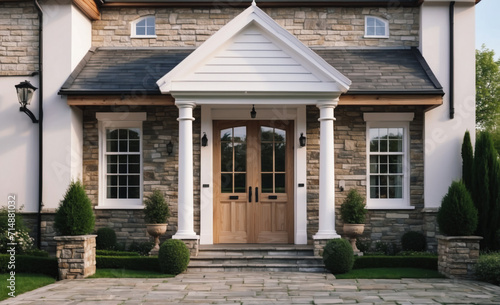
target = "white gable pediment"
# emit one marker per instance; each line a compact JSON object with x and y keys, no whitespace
{"x":253,"y":54}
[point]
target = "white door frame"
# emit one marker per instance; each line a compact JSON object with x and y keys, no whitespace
{"x":241,"y":111}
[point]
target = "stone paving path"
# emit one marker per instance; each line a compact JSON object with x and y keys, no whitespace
{"x":259,"y":288}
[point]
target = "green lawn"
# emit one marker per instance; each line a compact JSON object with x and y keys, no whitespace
{"x":389,"y":273}
{"x":125,"y":273}
{"x":24,"y":282}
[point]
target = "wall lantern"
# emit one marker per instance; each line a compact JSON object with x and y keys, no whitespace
{"x":302,"y":140}
{"x":204,"y":140}
{"x":170,"y":147}
{"x":253,"y":113}
{"x":25,"y":91}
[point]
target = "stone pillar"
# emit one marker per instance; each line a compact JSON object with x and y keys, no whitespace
{"x":457,"y":256}
{"x":185,"y":222}
{"x":76,"y":256}
{"x":326,"y":172}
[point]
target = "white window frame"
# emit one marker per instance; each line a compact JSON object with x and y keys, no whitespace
{"x":386,"y":23}
{"x":118,"y":120}
{"x":390,"y":120}
{"x":133,"y":26}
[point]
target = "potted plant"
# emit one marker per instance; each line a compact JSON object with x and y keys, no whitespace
{"x":156,"y":212}
{"x":353,"y":213}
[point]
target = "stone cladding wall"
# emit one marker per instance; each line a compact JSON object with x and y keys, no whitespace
{"x":315,"y":27}
{"x":18,"y":38}
{"x":350,"y":165}
{"x":76,"y":256}
{"x":457,"y":256}
{"x":160,"y":170}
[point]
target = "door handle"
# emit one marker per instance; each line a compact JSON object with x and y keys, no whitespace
{"x":249,"y":194}
{"x":256,"y":194}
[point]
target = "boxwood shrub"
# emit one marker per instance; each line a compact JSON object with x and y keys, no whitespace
{"x":413,"y":241}
{"x":106,"y":239}
{"x":31,"y":264}
{"x":115,"y":253}
{"x":338,"y":256}
{"x":173,"y":256}
{"x":414,"y":261}
{"x":148,"y":263}
{"x":488,"y":268}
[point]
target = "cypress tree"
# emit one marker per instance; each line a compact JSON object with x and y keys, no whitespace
{"x":75,"y":215}
{"x":467,"y":161}
{"x":485,"y":190}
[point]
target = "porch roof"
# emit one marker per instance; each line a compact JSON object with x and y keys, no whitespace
{"x":120,"y":71}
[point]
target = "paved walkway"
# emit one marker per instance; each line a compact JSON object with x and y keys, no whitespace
{"x":259,"y":288}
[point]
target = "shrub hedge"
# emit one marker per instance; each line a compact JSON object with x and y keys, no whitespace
{"x":421,"y":262}
{"x":31,"y":264}
{"x":115,"y":253}
{"x":106,"y":239}
{"x":413,"y":241}
{"x":488,"y":268}
{"x":149,"y":263}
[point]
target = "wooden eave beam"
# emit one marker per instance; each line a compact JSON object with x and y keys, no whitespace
{"x":113,"y":100}
{"x":262,"y":4}
{"x":391,"y":100}
{"x":89,"y":8}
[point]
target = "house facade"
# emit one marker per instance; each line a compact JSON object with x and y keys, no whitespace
{"x":254,"y":119}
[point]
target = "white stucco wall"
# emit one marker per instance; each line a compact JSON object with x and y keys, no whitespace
{"x":18,"y":146}
{"x":443,"y":136}
{"x":67,"y":38}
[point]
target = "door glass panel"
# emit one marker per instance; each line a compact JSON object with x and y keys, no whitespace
{"x":280,"y":183}
{"x":233,"y":160}
{"x":266,"y":133}
{"x":280,"y":156}
{"x":267,"y":157}
{"x":267,"y":183}
{"x":226,"y":183}
{"x":240,"y":183}
{"x":279,"y":135}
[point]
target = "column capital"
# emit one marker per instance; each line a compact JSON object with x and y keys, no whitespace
{"x":327,"y":103}
{"x":185,"y":104}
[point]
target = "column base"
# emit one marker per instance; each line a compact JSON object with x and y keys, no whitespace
{"x":191,"y":241}
{"x":326,"y":235}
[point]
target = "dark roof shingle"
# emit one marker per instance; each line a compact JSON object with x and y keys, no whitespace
{"x":130,"y":70}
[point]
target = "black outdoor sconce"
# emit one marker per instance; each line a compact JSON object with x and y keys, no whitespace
{"x":25,"y":91}
{"x":204,"y":140}
{"x":253,"y":113}
{"x":170,"y":147}
{"x":302,"y":140}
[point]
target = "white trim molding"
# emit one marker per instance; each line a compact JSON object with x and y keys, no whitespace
{"x":118,"y":120}
{"x":390,"y":120}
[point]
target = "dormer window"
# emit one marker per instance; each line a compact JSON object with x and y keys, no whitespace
{"x":144,"y":27}
{"x":376,"y":27}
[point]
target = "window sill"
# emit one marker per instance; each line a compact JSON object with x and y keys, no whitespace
{"x":388,"y":207}
{"x":144,"y":36}
{"x":119,"y":207}
{"x":376,"y":37}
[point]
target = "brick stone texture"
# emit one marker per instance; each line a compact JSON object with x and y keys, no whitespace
{"x":457,"y":256}
{"x":350,"y":165}
{"x":160,"y":171}
{"x":76,"y":256}
{"x":321,"y":26}
{"x":18,"y":38}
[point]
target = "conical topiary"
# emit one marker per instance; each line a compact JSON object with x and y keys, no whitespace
{"x":467,"y":161}
{"x":74,"y":215}
{"x":457,"y":215}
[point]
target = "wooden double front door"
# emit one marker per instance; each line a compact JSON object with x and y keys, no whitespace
{"x":253,"y":181}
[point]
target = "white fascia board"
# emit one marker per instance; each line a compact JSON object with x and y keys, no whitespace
{"x":254,"y":15}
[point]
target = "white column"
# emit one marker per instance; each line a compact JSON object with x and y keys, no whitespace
{"x":185,"y":222}
{"x":326,"y":172}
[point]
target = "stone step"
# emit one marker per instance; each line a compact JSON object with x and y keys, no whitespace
{"x":240,"y":258}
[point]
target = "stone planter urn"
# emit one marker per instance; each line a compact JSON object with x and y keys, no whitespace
{"x":352,"y":231}
{"x":156,"y":230}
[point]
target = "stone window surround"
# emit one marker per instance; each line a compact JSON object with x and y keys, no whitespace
{"x":123,"y":120}
{"x":400,"y":120}
{"x":386,"y":24}
{"x":133,"y":26}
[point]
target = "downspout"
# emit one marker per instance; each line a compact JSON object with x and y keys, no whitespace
{"x":40,"y":124}
{"x":452,"y":59}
